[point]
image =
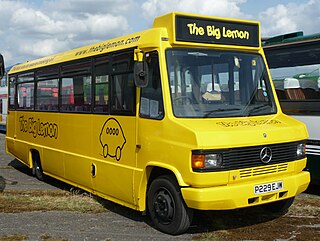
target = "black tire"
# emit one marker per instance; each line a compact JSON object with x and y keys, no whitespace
{"x":37,"y":169}
{"x":166,"y":207}
{"x":279,"y":207}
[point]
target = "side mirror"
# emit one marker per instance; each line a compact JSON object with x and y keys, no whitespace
{"x":2,"y":69}
{"x":140,"y":70}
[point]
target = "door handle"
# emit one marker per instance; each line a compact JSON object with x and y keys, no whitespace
{"x":93,"y":170}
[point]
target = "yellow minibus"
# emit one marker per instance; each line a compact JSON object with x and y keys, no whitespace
{"x":178,"y":117}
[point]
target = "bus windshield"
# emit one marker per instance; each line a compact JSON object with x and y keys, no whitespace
{"x":211,"y":83}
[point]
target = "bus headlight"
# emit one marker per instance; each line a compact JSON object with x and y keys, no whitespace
{"x":206,"y":161}
{"x":301,"y":150}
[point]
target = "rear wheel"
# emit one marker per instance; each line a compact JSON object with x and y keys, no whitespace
{"x":166,"y":207}
{"x":37,"y":169}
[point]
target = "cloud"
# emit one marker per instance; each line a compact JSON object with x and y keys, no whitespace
{"x":82,"y":7}
{"x":29,"y":31}
{"x":42,"y":47}
{"x":32,"y":29}
{"x":30,"y":22}
{"x":226,"y":8}
{"x":106,"y":25}
{"x":290,"y":18}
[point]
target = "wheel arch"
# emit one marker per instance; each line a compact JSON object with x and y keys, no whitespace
{"x":34,"y":155}
{"x":152,"y":171}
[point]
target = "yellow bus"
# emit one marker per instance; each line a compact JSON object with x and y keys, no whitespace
{"x":178,"y":117}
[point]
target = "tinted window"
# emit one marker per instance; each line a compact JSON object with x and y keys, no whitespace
{"x":76,"y":87}
{"x":151,"y":102}
{"x":123,"y":89}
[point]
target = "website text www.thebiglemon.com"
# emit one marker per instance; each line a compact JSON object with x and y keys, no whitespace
{"x":104,"y":46}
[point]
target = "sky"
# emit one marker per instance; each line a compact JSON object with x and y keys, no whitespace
{"x":31,"y":29}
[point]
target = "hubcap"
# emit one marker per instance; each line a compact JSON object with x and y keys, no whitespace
{"x":164,"y":206}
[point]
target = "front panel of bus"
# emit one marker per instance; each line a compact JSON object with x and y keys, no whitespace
{"x":213,"y":120}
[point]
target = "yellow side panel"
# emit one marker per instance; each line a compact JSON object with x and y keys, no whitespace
{"x":78,"y":170}
{"x":52,"y":162}
{"x":117,"y":150}
{"x":95,"y":152}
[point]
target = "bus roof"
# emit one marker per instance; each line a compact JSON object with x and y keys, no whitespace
{"x":128,"y":41}
{"x":295,"y":37}
{"x":177,"y":28}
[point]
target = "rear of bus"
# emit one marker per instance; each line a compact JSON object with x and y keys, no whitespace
{"x":2,"y":69}
{"x":294,"y":63}
{"x":223,"y":142}
{"x":3,"y":96}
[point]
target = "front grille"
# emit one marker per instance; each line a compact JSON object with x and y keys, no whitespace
{"x":249,"y":157}
{"x":244,"y":157}
{"x":258,"y":171}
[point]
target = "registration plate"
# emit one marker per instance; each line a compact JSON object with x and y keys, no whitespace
{"x":268,"y":187}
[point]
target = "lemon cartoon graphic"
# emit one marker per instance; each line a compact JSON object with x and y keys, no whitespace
{"x":112,"y":139}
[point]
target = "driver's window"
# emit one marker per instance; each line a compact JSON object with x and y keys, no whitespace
{"x":151,"y":101}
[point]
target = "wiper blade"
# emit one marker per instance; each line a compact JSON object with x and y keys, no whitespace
{"x":208,"y":113}
{"x":259,"y":107}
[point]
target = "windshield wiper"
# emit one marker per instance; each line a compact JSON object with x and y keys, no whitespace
{"x":259,"y":107}
{"x":208,"y":113}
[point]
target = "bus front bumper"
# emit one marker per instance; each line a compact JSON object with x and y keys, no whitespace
{"x":242,"y":195}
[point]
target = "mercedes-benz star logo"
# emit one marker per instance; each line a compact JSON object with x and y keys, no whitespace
{"x":265,"y":155}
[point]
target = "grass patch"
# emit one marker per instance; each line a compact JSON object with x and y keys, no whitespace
{"x":15,"y":201}
{"x":13,"y":238}
{"x":215,"y":236}
{"x":305,"y":206}
{"x":46,"y":237}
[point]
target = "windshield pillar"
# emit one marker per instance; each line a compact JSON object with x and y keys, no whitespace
{"x":231,"y":84}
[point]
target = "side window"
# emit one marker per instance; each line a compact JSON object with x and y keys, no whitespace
{"x":12,"y":92}
{"x":122,"y":83}
{"x":76,"y":87}
{"x":151,"y":102}
{"x":25,"y":91}
{"x":47,"y":90}
{"x":47,"y":95}
{"x":101,"y":81}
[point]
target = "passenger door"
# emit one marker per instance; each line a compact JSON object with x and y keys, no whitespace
{"x":115,"y":134}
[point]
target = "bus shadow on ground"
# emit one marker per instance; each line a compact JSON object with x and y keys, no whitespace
{"x":314,"y":189}
{"x":203,"y":221}
{"x":210,"y":221}
{"x":48,"y":180}
{"x":122,"y":210}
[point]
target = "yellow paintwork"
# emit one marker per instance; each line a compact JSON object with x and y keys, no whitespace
{"x":70,"y":145}
{"x":237,"y":196}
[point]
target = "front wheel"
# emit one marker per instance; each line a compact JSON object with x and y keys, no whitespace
{"x":166,"y":206}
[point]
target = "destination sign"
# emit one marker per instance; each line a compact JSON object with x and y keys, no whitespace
{"x":212,"y":31}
